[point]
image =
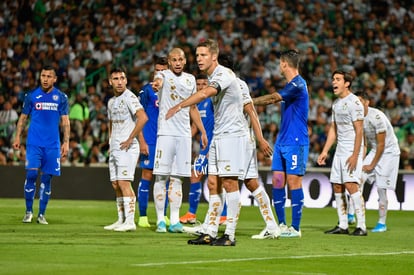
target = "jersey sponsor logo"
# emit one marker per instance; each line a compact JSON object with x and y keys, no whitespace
{"x":46,"y":106}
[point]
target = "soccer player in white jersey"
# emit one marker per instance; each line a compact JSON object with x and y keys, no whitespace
{"x":173,"y":148}
{"x":126,"y":120}
{"x":226,"y":163}
{"x":381,"y":164}
{"x":347,"y":131}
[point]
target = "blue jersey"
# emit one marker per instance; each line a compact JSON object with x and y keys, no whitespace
{"x":206,"y":111}
{"x":295,"y":109}
{"x":45,"y":111}
{"x":149,"y":100}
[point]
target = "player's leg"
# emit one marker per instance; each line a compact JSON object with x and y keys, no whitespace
{"x":279,"y":186}
{"x":119,"y":203}
{"x":193,"y":198}
{"x":44,"y":196}
{"x":271,"y":230}
{"x":159,"y":202}
{"x":29,"y":193}
{"x":143,"y":196}
{"x":175,"y":198}
{"x":359,"y":205}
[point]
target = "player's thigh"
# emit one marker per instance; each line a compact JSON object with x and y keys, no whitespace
{"x":164,"y":155}
{"x":182,"y":164}
{"x":147,"y":161}
{"x":340,"y":172}
{"x":122,"y":164}
{"x":386,"y":171}
{"x":251,"y":167}
{"x":34,"y":156}
{"x":51,"y":161}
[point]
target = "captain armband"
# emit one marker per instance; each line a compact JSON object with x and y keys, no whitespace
{"x":216,"y":86}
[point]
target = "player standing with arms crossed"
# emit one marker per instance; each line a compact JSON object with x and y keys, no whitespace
{"x":48,"y":108}
{"x":126,"y":119}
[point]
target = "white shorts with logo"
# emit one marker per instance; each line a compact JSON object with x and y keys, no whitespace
{"x":340,"y":173}
{"x":385,"y":172}
{"x":173,"y":156}
{"x":122,"y":164}
{"x":227,"y":156}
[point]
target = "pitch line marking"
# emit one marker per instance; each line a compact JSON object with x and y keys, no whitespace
{"x":274,"y":258}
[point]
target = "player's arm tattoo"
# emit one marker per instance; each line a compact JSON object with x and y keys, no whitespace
{"x":267,"y":99}
{"x":20,"y":125}
{"x":65,"y":125}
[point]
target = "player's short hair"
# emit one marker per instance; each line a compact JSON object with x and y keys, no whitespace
{"x":161,"y":60}
{"x":48,"y":67}
{"x":118,"y":70}
{"x":364,"y":95}
{"x":201,"y":76}
{"x":226,"y":60}
{"x":347,"y":76}
{"x":211,"y":44}
{"x":292,"y":57}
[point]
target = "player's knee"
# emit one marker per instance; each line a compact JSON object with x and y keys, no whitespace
{"x":278,"y":181}
{"x":46,"y":178}
{"x":31,"y":175}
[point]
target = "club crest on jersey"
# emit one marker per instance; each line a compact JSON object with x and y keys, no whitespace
{"x":55,"y":97}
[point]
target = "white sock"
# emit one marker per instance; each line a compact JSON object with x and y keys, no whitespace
{"x":341,"y":208}
{"x":159,"y":199}
{"x":175,"y":198}
{"x":359,"y":206}
{"x":215,"y":207}
{"x":382,"y":205}
{"x":263,"y":201}
{"x":129,"y":209}
{"x":233,"y":212}
{"x":351,"y":209}
{"x":120,"y":209}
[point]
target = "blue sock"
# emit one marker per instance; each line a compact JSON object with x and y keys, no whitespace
{"x":224,"y":212}
{"x":297,"y":205}
{"x":30,"y":189}
{"x":194,"y":196}
{"x":44,"y":192}
{"x":167,"y":184}
{"x":143,"y":196}
{"x":279,"y":201}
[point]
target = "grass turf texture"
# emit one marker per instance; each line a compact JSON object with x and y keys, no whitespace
{"x":75,"y":242}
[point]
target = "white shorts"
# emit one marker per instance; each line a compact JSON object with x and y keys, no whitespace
{"x":226,"y":157}
{"x":385,"y":172}
{"x":340,"y":173}
{"x":122,"y":164}
{"x":173,"y":156}
{"x":251,"y":167}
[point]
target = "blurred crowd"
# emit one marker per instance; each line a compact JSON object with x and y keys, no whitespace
{"x":374,"y":40}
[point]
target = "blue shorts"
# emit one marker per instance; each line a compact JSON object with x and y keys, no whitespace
{"x":290,"y":159}
{"x":47,"y":159}
{"x":147,"y":162}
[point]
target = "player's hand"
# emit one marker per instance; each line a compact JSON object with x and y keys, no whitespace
{"x":172,"y":111}
{"x":266,"y":148}
{"x":352,"y":163}
{"x":322,"y":159}
{"x":125,"y":144}
{"x":368,"y":168}
{"x":200,"y":164}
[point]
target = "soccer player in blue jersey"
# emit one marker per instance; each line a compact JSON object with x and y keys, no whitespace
{"x":147,"y":140}
{"x":291,"y":149}
{"x":48,"y":110}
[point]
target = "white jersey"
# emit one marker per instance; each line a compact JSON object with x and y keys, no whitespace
{"x":121,"y":113}
{"x":228,"y":104}
{"x":344,"y":112}
{"x":175,"y":88}
{"x":246,"y":100}
{"x":376,"y":122}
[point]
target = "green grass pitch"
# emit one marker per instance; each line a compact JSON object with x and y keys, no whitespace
{"x":75,"y":242}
